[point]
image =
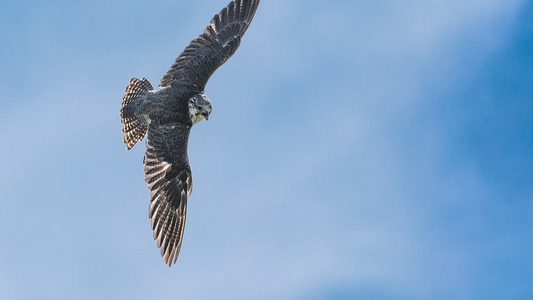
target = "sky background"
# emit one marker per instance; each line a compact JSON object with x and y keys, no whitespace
{"x":356,"y":150}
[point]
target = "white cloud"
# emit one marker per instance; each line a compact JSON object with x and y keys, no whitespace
{"x":290,"y":200}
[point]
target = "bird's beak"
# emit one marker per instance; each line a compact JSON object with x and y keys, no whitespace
{"x":206,"y":115}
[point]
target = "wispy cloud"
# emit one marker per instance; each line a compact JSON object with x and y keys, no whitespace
{"x":328,"y":168}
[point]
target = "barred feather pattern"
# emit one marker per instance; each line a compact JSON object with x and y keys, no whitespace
{"x":169,"y":180}
{"x":214,"y":47}
{"x":134,"y":125}
{"x":165,"y":117}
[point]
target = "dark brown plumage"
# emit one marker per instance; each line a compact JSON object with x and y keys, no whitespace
{"x":168,"y":115}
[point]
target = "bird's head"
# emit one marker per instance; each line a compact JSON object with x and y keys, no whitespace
{"x":199,"y":107}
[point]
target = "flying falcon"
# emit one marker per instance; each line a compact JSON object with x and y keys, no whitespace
{"x":167,"y":116}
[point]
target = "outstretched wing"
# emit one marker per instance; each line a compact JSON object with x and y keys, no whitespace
{"x":214,"y":47}
{"x":169,"y":178}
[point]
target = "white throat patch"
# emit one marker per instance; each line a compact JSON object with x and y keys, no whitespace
{"x":195,"y":114}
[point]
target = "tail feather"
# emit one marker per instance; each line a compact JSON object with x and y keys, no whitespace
{"x":134,"y":125}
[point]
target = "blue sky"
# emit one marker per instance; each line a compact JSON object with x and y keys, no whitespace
{"x":356,"y":150}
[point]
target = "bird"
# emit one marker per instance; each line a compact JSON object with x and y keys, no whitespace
{"x":166,"y":117}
